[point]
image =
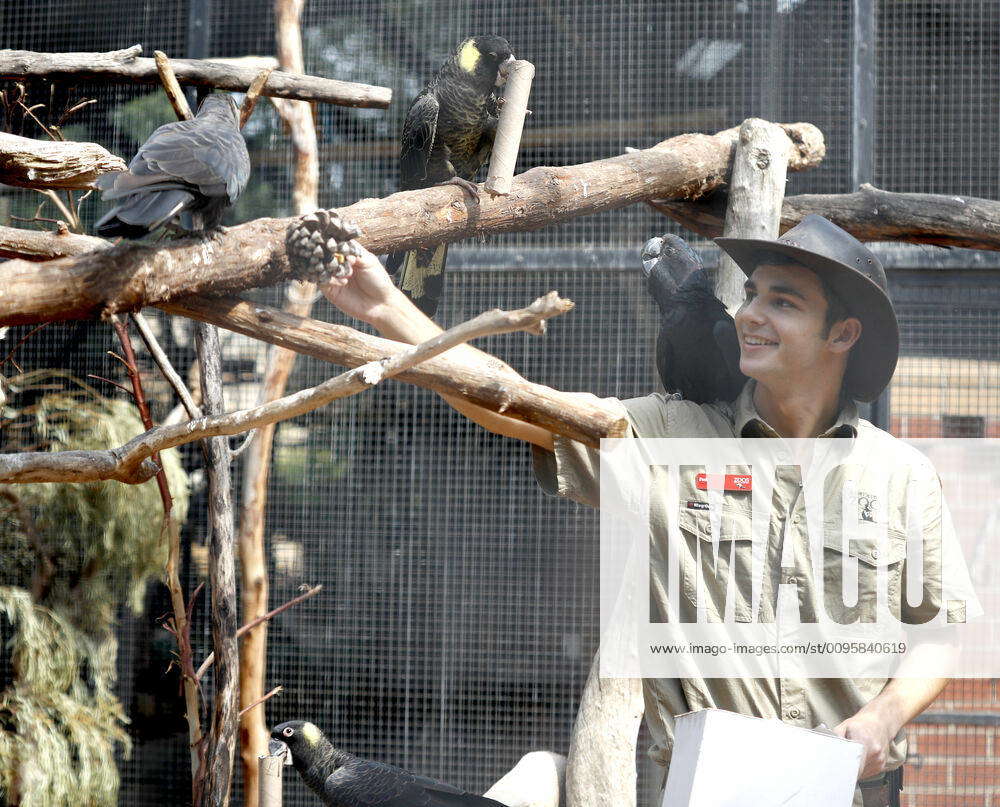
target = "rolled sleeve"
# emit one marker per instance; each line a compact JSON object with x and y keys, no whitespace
{"x":572,"y":470}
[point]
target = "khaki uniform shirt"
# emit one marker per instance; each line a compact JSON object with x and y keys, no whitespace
{"x":573,"y":471}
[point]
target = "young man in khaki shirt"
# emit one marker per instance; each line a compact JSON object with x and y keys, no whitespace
{"x":817,"y":331}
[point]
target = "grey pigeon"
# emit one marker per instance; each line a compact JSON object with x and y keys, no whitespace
{"x":184,"y":176}
{"x":343,"y":780}
{"x":697,"y":350}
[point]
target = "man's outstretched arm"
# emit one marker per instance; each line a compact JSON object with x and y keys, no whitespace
{"x":367,"y":293}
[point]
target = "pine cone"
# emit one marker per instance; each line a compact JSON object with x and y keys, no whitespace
{"x":318,"y":245}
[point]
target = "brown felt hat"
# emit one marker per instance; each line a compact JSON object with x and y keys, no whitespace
{"x":857,"y":278}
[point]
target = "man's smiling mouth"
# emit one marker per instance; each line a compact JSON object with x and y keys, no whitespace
{"x":756,"y":341}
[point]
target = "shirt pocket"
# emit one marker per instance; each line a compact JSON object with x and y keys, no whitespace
{"x":875,"y":550}
{"x":725,"y":569}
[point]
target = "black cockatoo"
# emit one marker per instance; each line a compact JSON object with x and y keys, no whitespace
{"x":343,"y":780}
{"x":447,"y":137}
{"x":183,"y":176}
{"x":697,"y":350}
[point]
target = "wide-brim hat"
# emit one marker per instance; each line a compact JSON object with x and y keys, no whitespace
{"x":856,"y":277}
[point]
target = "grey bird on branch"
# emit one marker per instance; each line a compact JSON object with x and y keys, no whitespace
{"x":343,"y":780}
{"x":184,"y":176}
{"x":447,"y":137}
{"x":697,"y":350}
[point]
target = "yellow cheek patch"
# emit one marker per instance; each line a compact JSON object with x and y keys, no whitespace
{"x":311,"y":733}
{"x":468,"y":56}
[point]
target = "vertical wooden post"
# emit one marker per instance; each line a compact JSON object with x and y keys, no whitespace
{"x":222,"y":572}
{"x":600,"y":768}
{"x":756,"y":191}
{"x":269,"y":776}
{"x":256,"y":468}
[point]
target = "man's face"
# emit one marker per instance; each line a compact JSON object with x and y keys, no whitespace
{"x":781,"y":326}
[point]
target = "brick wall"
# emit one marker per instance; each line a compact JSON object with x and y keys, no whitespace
{"x":952,"y":764}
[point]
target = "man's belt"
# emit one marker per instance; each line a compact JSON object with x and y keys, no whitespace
{"x":882,"y":791}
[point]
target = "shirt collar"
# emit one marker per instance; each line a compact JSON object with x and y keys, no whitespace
{"x":748,"y":423}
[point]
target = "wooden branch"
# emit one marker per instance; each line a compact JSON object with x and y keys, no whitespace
{"x":299,"y":122}
{"x":559,"y":412}
{"x":168,"y":80}
{"x":163,"y":362}
{"x":130,"y":463}
{"x":600,"y":766}
{"x":53,"y":164}
{"x":127,"y":66}
{"x":507,"y":141}
{"x":224,"y":727}
{"x":257,"y":621}
{"x":253,"y":254}
{"x":262,"y":699}
{"x":869,"y":214}
{"x":269,"y":779}
{"x":250,"y":101}
{"x":756,"y":188}
{"x":44,"y":245}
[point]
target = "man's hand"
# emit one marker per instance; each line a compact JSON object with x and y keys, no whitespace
{"x":366,"y":292}
{"x":874,"y":732}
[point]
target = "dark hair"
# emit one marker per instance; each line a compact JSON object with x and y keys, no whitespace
{"x":836,"y":309}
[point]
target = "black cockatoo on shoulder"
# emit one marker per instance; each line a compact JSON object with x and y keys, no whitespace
{"x":447,"y":137}
{"x":343,"y":780}
{"x":184,"y":176}
{"x":697,"y":350}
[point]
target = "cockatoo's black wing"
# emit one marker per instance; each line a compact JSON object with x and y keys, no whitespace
{"x":363,"y":783}
{"x":417,"y":140}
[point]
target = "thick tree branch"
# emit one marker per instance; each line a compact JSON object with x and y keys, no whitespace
{"x":53,"y":164}
{"x":126,"y":65}
{"x":869,"y":214}
{"x":253,"y":254}
{"x":130,"y":462}
{"x":557,"y":411}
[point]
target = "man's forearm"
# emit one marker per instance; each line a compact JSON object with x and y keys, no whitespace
{"x":902,"y":699}
{"x":399,"y":319}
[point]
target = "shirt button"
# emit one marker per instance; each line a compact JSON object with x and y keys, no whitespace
{"x":874,"y":554}
{"x":794,"y":714}
{"x":796,"y":519}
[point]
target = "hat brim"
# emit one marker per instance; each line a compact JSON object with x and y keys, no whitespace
{"x":873,"y":359}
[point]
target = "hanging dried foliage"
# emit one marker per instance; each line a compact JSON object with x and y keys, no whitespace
{"x":72,"y":553}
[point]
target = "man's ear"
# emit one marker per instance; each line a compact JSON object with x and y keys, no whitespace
{"x":844,"y":334}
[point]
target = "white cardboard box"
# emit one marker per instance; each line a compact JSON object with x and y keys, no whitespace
{"x":724,"y":759}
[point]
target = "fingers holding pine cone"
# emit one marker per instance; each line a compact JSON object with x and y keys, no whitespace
{"x":319,"y":244}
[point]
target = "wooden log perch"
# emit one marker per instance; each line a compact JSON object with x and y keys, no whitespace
{"x":756,"y":188}
{"x":507,"y":141}
{"x":561,"y":413}
{"x":130,"y":276}
{"x":869,"y":214}
{"x":131,"y":462}
{"x":53,"y":164}
{"x":600,"y":768}
{"x":127,"y":66}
